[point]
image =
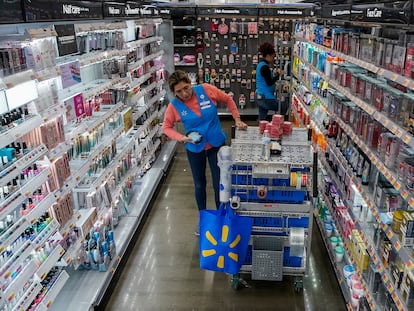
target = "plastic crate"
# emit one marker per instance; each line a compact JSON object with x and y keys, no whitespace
{"x":267,"y":258}
{"x":268,"y":221}
{"x":291,"y":261}
{"x":276,"y":196}
{"x":296,"y":222}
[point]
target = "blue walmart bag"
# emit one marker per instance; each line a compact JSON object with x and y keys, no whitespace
{"x":224,"y":238}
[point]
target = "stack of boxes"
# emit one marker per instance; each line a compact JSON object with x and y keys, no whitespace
{"x":358,"y":250}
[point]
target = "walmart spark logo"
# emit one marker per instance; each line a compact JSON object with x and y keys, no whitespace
{"x":224,"y":238}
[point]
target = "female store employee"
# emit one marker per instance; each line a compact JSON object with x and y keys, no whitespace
{"x":265,"y":82}
{"x":196,"y":108}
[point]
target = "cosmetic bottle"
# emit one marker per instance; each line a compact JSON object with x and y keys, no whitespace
{"x":31,"y":204}
{"x":23,"y":210}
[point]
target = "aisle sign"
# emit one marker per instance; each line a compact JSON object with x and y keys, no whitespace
{"x":11,"y":11}
{"x":47,"y":10}
{"x":114,"y":9}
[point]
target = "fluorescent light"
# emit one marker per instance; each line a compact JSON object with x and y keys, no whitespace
{"x":21,"y":94}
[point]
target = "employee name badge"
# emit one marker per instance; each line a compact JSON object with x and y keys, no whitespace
{"x":204,"y":104}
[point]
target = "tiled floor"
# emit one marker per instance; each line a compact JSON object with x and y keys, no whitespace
{"x":162,"y":272}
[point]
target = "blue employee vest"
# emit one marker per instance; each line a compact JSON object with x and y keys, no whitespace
{"x":268,"y":91}
{"x":208,"y":124}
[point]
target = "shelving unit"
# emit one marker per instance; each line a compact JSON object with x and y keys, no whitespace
{"x":135,"y":185}
{"x":372,"y":232}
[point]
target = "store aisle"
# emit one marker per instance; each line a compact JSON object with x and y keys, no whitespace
{"x":162,"y":272}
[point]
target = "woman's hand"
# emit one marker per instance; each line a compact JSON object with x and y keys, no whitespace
{"x":185,"y":139}
{"x":240,"y":124}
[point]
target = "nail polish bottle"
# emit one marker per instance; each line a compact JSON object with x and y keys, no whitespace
{"x":6,"y":190}
{"x":9,"y":221}
{"x":40,"y":196}
{"x":29,"y":172}
{"x":23,"y":210}
{"x":24,"y":148}
{"x":35,"y":170}
{"x":15,"y":186}
{"x":31,"y":204}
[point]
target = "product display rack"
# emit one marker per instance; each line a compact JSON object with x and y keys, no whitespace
{"x":373,"y":231}
{"x":145,"y":75}
{"x":219,"y":44}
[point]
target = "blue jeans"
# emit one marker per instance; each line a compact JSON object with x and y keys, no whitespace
{"x":198,"y":169}
{"x":270,"y":104}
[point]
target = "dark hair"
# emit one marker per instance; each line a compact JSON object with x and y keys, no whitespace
{"x":177,"y":77}
{"x":267,"y":48}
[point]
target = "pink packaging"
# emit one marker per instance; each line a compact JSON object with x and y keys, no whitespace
{"x":409,"y":61}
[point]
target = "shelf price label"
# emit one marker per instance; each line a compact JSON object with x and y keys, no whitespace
{"x":379,"y":267}
{"x":392,"y":180}
{"x":399,"y":133}
{"x":404,"y":194}
{"x":411,"y":201}
{"x":397,"y":246}
{"x":397,"y":186}
{"x":410,"y":265}
{"x":375,"y":260}
{"x":390,"y":234}
{"x":371,"y":252}
{"x":388,"y":175}
{"x":406,"y":139}
{"x":385,"y":279}
{"x":383,"y":226}
{"x":49,"y":303}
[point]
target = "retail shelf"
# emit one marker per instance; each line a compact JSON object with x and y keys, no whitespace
{"x":50,"y":262}
{"x":92,"y":58}
{"x":15,"y":168}
{"x":352,"y":260}
{"x":35,"y":182}
{"x":189,"y":27}
{"x":145,"y":91}
{"x":142,"y":61}
{"x":28,"y":297}
{"x":107,"y":172}
{"x":318,"y":124}
{"x":404,"y":253}
{"x":41,"y":208}
{"x":405,"y":81}
{"x":27,"y":75}
{"x":88,"y":287}
{"x":141,"y":42}
{"x":46,"y":233}
{"x":182,"y":64}
{"x":337,"y":266}
{"x":81,"y":167}
{"x":184,"y":45}
{"x":385,"y":275}
{"x":13,"y":233}
{"x":296,"y":114}
{"x":166,"y":155}
{"x":388,"y":174}
{"x":107,"y":112}
{"x":27,"y":271}
{"x":15,"y":261}
{"x":384,"y":120}
{"x":91,"y":89}
{"x":52,"y":112}
{"x":53,"y":292}
{"x":136,"y":82}
{"x":58,"y":151}
{"x":20,"y":130}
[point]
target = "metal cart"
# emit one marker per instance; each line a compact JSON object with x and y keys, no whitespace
{"x":275,"y":192}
